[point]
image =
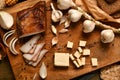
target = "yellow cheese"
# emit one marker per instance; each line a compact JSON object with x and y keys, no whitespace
{"x":82,"y":43}
{"x":77,"y":54}
{"x":79,"y":62}
{"x":61,"y":59}
{"x":80,"y":50}
{"x":83,"y":60}
{"x":94,"y":61}
{"x":71,"y":57}
{"x":70,"y":44}
{"x":86,"y":52}
{"x":76,"y":64}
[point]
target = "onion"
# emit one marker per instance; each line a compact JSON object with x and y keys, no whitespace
{"x":6,"y":35}
{"x":6,"y":20}
{"x":12,"y":46}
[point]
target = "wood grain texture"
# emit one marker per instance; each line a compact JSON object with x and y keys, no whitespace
{"x":106,"y":53}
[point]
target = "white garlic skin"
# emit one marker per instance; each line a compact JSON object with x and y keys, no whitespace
{"x":65,"y":4}
{"x":56,"y":14}
{"x":107,"y":36}
{"x":88,"y":26}
{"x":74,"y":15}
{"x":6,"y":20}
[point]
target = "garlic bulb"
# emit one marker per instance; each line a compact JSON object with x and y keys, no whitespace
{"x":56,"y":14}
{"x":107,"y":36}
{"x":6,"y":20}
{"x":88,"y":26}
{"x":74,"y":15}
{"x":65,"y":4}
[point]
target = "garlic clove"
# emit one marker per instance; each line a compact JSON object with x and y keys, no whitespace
{"x":56,"y":14}
{"x":43,"y":71}
{"x":74,"y":15}
{"x":54,"y":30}
{"x":107,"y":36}
{"x":63,"y":19}
{"x":65,"y":4}
{"x":88,"y":26}
{"x":63,"y":31}
{"x":54,"y":41}
{"x":6,"y":20}
{"x":67,"y":23}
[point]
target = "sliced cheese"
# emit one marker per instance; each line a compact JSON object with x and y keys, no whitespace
{"x":82,"y":43}
{"x":80,"y":50}
{"x":61,"y":59}
{"x":83,"y":60}
{"x":86,"y":52}
{"x":79,"y":62}
{"x":70,"y":44}
{"x":71,"y":57}
{"x":77,"y":54}
{"x":94,"y":61}
{"x":76,"y":64}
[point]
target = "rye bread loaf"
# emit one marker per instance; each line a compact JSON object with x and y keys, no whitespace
{"x":111,"y":72}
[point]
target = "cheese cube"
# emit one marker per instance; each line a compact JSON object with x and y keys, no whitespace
{"x":83,"y":60}
{"x":82,"y":43}
{"x":70,"y":44}
{"x":76,"y":64}
{"x":79,"y":62}
{"x":71,"y":57}
{"x":86,"y":52}
{"x":94,"y":61}
{"x":61,"y":59}
{"x":80,"y":49}
{"x":77,"y":54}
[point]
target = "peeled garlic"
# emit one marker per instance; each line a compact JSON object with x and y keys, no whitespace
{"x":43,"y":71}
{"x":67,"y":23}
{"x":63,"y":31}
{"x":54,"y":30}
{"x":107,"y":36}
{"x":56,"y":14}
{"x":74,"y":15}
{"x":88,"y":26}
{"x":65,"y":4}
{"x":63,"y":19}
{"x":6,"y":20}
{"x":54,"y":41}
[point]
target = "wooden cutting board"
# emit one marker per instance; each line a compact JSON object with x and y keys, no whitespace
{"x":106,"y":53}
